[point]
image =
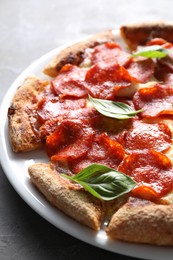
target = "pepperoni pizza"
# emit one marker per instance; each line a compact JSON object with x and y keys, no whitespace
{"x":104,"y":117}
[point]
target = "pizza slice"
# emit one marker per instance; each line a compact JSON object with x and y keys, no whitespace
{"x":139,"y":34}
{"x":23,"y":136}
{"x":66,"y":196}
{"x":142,"y":221}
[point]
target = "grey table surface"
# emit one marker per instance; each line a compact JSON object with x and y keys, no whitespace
{"x":29,"y":29}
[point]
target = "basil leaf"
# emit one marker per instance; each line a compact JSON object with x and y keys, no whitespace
{"x":154,"y":51}
{"x":113,"y":109}
{"x":103,"y":182}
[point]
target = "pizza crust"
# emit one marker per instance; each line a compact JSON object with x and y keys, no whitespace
{"x":142,"y":221}
{"x":22,"y":135}
{"x":69,"y":198}
{"x":74,"y":53}
{"x":138,"y":34}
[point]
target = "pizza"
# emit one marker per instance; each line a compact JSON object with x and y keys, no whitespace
{"x":103,"y":114}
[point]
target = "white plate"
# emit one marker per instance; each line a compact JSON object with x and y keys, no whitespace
{"x":15,"y":167}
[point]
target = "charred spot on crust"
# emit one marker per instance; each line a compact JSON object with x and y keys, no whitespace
{"x":72,"y":58}
{"x":11,"y":110}
{"x":75,"y":58}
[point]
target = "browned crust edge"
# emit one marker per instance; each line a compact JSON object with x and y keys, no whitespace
{"x":142,"y":221}
{"x":74,"y":53}
{"x":73,"y":201}
{"x":138,"y":34}
{"x":22,"y":135}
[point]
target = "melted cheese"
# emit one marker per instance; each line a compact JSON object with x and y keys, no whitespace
{"x":129,"y":91}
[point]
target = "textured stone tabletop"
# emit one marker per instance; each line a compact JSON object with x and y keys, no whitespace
{"x":29,"y":29}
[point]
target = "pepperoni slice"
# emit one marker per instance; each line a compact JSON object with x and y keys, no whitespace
{"x":163,"y":74}
{"x":150,"y":169}
{"x":110,"y":53}
{"x":70,"y":141}
{"x":147,"y":136}
{"x":156,"y":41}
{"x":49,"y":108}
{"x":102,"y":81}
{"x":142,"y":70}
{"x":155,"y":101}
{"x":167,"y":62}
{"x":69,"y":82}
{"x":103,"y":151}
{"x":87,"y":114}
{"x":168,"y":79}
{"x":49,"y":127}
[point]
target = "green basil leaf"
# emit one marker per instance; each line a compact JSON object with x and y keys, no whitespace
{"x":154,"y":51}
{"x":118,"y":110}
{"x":103,"y":182}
